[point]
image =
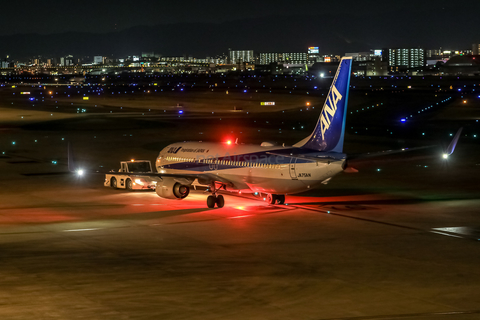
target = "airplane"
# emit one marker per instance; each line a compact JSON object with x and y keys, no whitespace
{"x":267,"y":169}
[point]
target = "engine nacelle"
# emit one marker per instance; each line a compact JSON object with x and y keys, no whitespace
{"x":171,"y":189}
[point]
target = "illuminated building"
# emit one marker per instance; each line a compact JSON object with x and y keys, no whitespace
{"x":241,"y":56}
{"x":289,"y":58}
{"x":98,"y":60}
{"x":476,"y":49}
{"x":313,"y":55}
{"x":66,"y":61}
{"x":403,"y":59}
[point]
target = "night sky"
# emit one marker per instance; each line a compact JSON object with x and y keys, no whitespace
{"x":46,"y":17}
{"x":200,"y":28}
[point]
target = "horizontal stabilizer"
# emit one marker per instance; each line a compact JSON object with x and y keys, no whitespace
{"x":319,"y":158}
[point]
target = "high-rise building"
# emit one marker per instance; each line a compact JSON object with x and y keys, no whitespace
{"x":286,"y":57}
{"x":405,"y":58}
{"x":313,"y":54}
{"x":241,"y":56}
{"x":476,"y":49}
{"x":66,"y":61}
{"x":98,"y":60}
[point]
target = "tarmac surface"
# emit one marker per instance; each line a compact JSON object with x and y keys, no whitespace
{"x":73,"y":250}
{"x":401,"y":242}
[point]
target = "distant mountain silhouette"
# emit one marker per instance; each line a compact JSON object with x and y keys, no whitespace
{"x":333,"y":34}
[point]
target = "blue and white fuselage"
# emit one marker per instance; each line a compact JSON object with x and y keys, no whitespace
{"x":252,"y":168}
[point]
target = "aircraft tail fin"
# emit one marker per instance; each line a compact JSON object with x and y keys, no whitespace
{"x":329,"y":132}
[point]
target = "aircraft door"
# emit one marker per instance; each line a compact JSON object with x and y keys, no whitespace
{"x":293,"y":172}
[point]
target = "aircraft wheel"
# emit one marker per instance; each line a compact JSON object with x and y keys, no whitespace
{"x":271,"y":198}
{"x":211,"y":201}
{"x":113,"y":183}
{"x":280,"y":199}
{"x":129,"y":185}
{"x":220,"y":201}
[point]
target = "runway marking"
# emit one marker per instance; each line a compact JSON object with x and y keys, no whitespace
{"x":459,"y":232}
{"x":406,"y":316}
{"x":439,"y":231}
{"x":75,"y":230}
{"x":447,"y":234}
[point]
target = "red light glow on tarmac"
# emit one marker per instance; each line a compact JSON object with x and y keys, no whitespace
{"x":150,"y":209}
{"x":239,"y":217}
{"x":35,"y":215}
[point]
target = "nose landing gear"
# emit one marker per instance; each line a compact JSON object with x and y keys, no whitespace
{"x":275,"y":198}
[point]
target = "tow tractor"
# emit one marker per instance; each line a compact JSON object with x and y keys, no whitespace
{"x":117,"y":180}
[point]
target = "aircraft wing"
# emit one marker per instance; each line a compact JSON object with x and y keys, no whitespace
{"x":382,"y":156}
{"x":369,"y":155}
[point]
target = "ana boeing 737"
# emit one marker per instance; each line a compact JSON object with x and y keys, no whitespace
{"x":272,"y":170}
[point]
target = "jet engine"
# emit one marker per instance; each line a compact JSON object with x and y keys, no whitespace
{"x":169,"y":188}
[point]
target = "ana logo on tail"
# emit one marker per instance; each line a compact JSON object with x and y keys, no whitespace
{"x":329,"y":109}
{"x":328,"y":134}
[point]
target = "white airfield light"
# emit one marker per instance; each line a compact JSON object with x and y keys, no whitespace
{"x":445,"y":156}
{"x":80,"y":172}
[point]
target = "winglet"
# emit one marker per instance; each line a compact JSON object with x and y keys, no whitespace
{"x":453,"y":144}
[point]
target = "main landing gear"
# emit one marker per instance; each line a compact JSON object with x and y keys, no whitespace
{"x":215,"y":199}
{"x":275,"y":198}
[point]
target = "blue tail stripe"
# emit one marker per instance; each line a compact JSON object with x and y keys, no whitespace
{"x":339,"y":147}
{"x":329,"y":133}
